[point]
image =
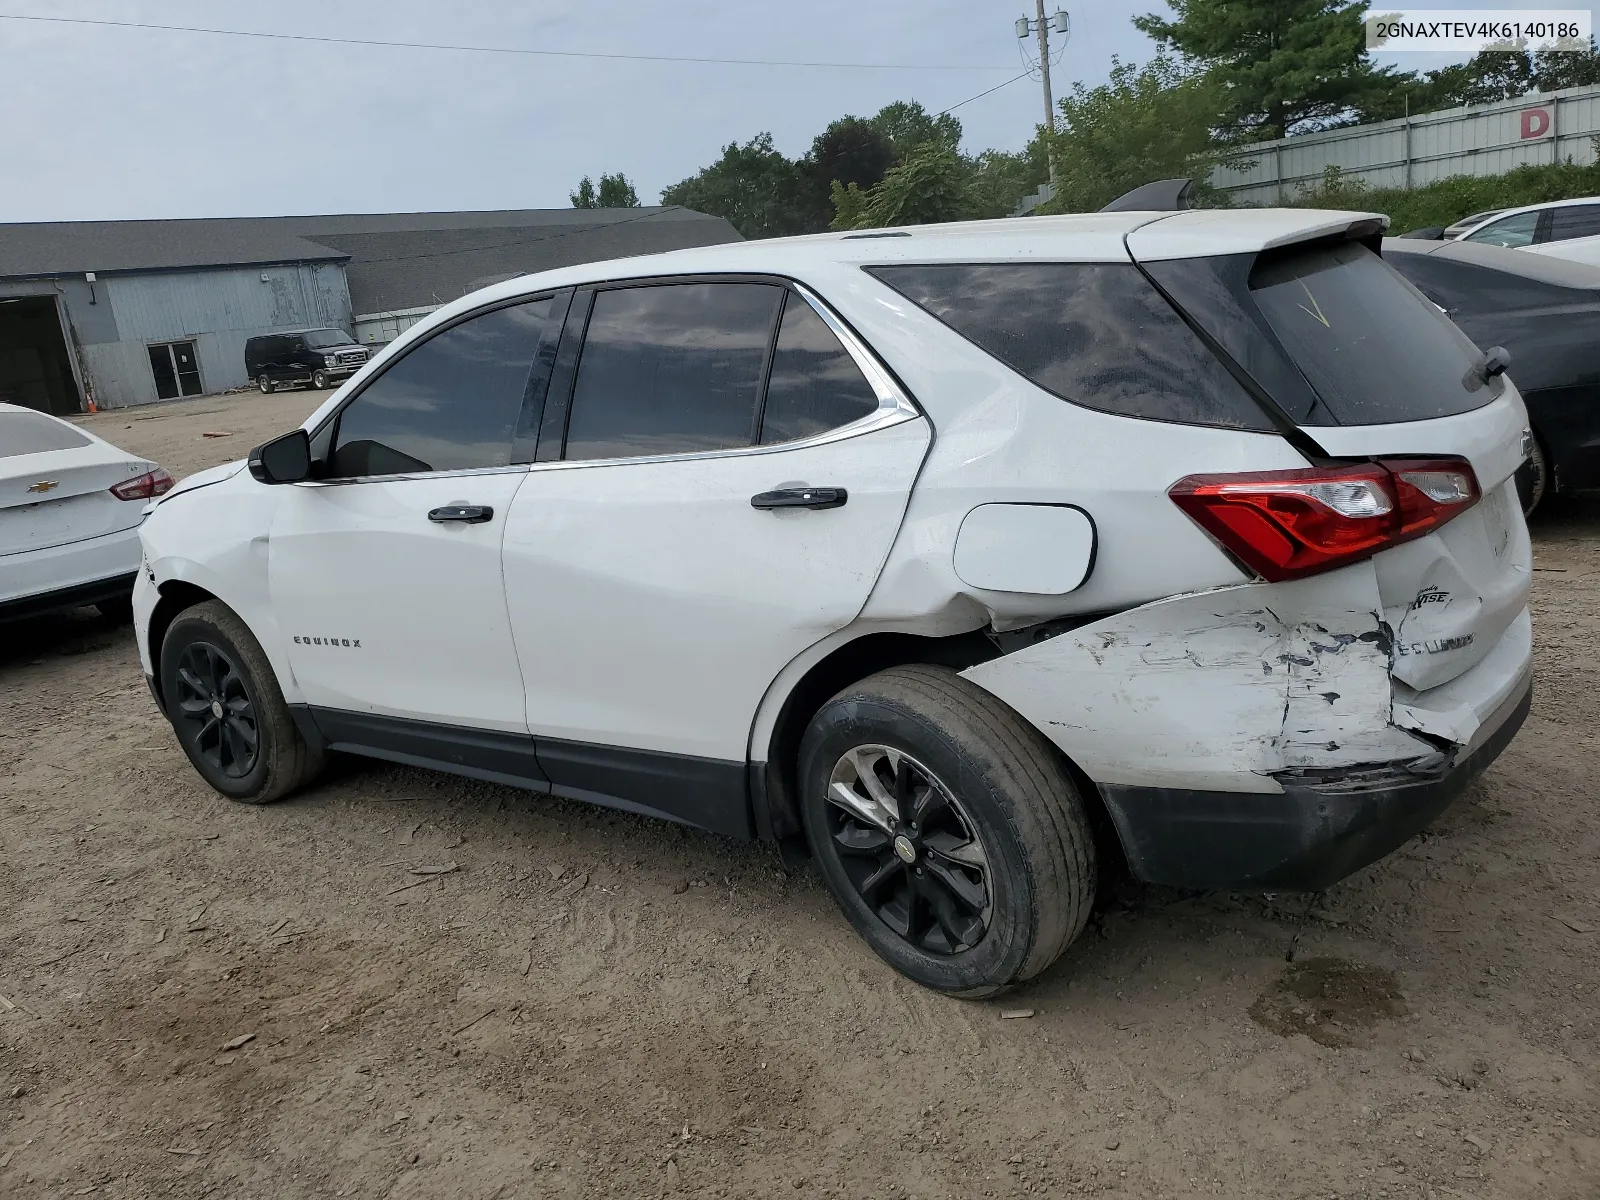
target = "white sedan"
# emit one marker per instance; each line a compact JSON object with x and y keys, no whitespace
{"x":70,"y":508}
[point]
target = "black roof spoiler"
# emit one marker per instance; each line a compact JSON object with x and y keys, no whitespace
{"x":1164,"y":195}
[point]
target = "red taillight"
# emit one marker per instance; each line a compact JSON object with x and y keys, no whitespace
{"x":144,"y":487}
{"x":1285,"y":524}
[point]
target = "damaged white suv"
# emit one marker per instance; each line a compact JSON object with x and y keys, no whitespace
{"x":963,"y":557}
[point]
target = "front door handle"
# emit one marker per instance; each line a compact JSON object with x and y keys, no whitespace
{"x":465,"y":514}
{"x":801,"y":497}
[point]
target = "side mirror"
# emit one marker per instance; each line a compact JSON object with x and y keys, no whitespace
{"x":285,"y":459}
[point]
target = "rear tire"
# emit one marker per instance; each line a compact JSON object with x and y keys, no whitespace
{"x":1533,"y":479}
{"x":265,"y":384}
{"x":227,"y":709}
{"x":978,"y":868}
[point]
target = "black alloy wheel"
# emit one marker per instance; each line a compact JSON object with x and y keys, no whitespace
{"x":910,"y":849}
{"x":215,"y":712}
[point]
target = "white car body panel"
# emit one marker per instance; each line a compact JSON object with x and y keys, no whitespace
{"x":60,"y":525}
{"x":636,"y":625}
{"x":1585,"y":250}
{"x":360,"y":562}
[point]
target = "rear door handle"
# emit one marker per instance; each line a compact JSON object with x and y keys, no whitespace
{"x":801,"y":497}
{"x":466,"y":514}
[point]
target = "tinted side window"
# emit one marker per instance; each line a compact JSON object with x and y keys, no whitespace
{"x":671,"y":369}
{"x":1096,"y":334}
{"x":451,"y":403}
{"x":815,"y":385}
{"x":1517,"y":230}
{"x":1575,"y":221}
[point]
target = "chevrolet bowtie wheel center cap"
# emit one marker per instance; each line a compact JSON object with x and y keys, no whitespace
{"x":905,"y":849}
{"x":216,"y":710}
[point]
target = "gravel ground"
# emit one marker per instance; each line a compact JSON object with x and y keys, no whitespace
{"x":198,"y":997}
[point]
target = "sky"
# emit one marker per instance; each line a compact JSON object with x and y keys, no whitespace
{"x":109,"y":123}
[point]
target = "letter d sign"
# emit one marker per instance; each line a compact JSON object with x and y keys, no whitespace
{"x":1535,"y":122}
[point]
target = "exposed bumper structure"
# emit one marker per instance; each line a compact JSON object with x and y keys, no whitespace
{"x":1260,"y":735}
{"x":1311,"y":836}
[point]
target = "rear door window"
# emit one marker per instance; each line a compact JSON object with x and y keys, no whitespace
{"x":1574,"y":221}
{"x":671,"y":369}
{"x":452,"y":403}
{"x":24,"y":432}
{"x":1096,"y":334}
{"x":814,"y":385}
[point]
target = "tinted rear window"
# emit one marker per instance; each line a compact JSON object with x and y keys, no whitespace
{"x":1333,"y":333}
{"x":34,"y":433}
{"x":1096,"y":334}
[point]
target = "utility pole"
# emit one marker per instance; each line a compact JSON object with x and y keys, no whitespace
{"x":1049,"y":100}
{"x":1042,"y":25}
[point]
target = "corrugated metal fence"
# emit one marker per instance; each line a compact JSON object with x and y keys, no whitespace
{"x":1485,"y":139}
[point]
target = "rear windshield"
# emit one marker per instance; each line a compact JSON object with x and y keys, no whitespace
{"x":1333,"y":333}
{"x":319,"y":339}
{"x":34,"y":433}
{"x":1096,"y":334}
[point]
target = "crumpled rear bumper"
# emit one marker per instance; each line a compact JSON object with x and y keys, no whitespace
{"x":1312,"y":835}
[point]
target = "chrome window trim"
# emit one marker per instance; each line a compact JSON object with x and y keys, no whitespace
{"x":894,"y":408}
{"x":458,"y":473}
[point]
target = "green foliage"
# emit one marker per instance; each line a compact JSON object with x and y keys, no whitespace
{"x":1448,"y":200}
{"x":1147,"y":123}
{"x":1504,"y":75}
{"x":908,"y":125}
{"x":933,"y":184}
{"x":759,"y":191}
{"x":614,"y":192}
{"x":1281,"y":66}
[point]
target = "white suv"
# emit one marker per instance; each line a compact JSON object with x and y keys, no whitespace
{"x":961,"y":557}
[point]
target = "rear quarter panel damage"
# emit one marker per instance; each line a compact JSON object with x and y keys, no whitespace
{"x":1218,"y":690}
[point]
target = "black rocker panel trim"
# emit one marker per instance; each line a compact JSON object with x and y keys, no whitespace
{"x":707,"y":792}
{"x":704,"y":792}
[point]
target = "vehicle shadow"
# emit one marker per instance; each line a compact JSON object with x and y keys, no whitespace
{"x":33,"y":640}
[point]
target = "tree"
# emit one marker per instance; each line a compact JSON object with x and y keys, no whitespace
{"x":1146,"y":123}
{"x":614,"y":192}
{"x":908,"y":125}
{"x":1282,"y":66}
{"x":758,"y":190}
{"x":1492,"y":75}
{"x":933,"y":184}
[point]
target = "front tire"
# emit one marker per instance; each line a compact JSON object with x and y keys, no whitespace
{"x":948,"y":830}
{"x":264,"y":382}
{"x":227,"y":709}
{"x":319,"y":380}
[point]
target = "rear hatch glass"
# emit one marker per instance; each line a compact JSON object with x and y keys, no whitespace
{"x":1332,"y":333}
{"x":34,"y":433}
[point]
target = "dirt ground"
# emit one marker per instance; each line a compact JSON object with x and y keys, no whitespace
{"x":590,"y":1004}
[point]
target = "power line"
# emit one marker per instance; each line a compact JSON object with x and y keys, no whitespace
{"x":518,"y":50}
{"x":981,"y":95}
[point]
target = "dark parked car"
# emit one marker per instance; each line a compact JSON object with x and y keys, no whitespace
{"x":317,"y":358}
{"x":1547,"y":313}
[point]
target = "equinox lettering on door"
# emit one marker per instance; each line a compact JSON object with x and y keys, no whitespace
{"x":353,"y":643}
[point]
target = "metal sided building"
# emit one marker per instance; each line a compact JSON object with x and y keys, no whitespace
{"x":131,"y":312}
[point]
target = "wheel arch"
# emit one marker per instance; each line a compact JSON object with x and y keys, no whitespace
{"x":786,"y":712}
{"x":176,"y":595}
